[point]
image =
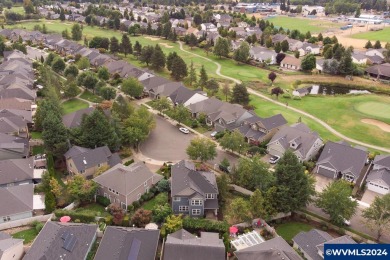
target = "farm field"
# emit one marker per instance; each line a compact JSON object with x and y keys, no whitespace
{"x":382,"y":35}
{"x":303,"y":24}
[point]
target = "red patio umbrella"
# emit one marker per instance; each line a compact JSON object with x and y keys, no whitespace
{"x":233,"y":230}
{"x":64,"y":219}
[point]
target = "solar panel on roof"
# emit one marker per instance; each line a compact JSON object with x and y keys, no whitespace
{"x":65,"y":235}
{"x":69,"y":243}
{"x":134,"y":250}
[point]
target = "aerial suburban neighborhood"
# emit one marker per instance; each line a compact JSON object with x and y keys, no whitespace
{"x":193,"y":130}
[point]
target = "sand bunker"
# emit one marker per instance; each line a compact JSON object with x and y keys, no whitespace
{"x":152,"y":38}
{"x":166,"y":45}
{"x":383,"y":126}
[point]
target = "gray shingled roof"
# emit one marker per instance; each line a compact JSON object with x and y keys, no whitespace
{"x":7,"y":242}
{"x":16,"y":170}
{"x":308,"y":242}
{"x":48,"y":245}
{"x":119,"y":243}
{"x":343,"y":158}
{"x":274,"y":249}
{"x":382,"y":160}
{"x":185,"y":181}
{"x":16,"y":199}
{"x":339,"y":240}
{"x":382,"y":174}
{"x":85,"y":158}
{"x":125,"y":179}
{"x":73,"y":120}
{"x":182,"y":245}
{"x":381,"y":69}
{"x":181,"y":95}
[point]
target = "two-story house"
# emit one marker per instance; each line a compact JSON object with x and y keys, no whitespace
{"x":85,"y":161}
{"x":256,"y":129}
{"x":341,"y":160}
{"x":193,"y":192}
{"x":378,"y":179}
{"x":126,"y":184}
{"x":298,"y":138}
{"x":208,"y":27}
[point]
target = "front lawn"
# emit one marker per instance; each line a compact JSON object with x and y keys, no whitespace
{"x":160,"y":199}
{"x":28,"y":235}
{"x":73,"y":105}
{"x":36,"y":135}
{"x":291,"y":229}
{"x":38,"y":150}
{"x":88,"y":95}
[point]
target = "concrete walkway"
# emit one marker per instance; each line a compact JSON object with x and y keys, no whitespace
{"x":251,"y":91}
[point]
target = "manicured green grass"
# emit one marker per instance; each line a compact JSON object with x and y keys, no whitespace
{"x":374,"y":109}
{"x":302,"y":24}
{"x":291,"y":229}
{"x":87,"y":95}
{"x":28,"y":235}
{"x":342,"y":114}
{"x":16,"y":9}
{"x":36,"y":135}
{"x":73,"y":105}
{"x":151,"y":204}
{"x":38,"y":150}
{"x":96,"y":209}
{"x":382,"y":35}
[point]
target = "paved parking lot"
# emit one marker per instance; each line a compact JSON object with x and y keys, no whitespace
{"x":167,"y":143}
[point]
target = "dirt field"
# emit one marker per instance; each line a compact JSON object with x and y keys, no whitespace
{"x":166,"y":45}
{"x":152,"y":38}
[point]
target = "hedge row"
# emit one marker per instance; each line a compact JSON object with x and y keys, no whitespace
{"x":83,"y":217}
{"x":194,"y":224}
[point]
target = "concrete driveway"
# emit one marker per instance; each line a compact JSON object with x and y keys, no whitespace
{"x":167,"y":143}
{"x":369,"y":196}
{"x":321,"y":182}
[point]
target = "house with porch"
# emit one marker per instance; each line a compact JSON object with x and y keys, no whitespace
{"x":378,"y":180}
{"x":341,"y":160}
{"x":193,"y":193}
{"x":380,"y":71}
{"x":125,"y":184}
{"x":298,"y":138}
{"x":291,"y":63}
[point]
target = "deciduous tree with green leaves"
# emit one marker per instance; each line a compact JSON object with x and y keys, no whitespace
{"x":239,"y":209}
{"x":335,"y":200}
{"x":132,"y":87}
{"x":81,"y":189}
{"x":202,"y":149}
{"x":180,"y":113}
{"x":77,"y":32}
{"x":377,"y":216}
{"x":162,"y":104}
{"x":234,"y":141}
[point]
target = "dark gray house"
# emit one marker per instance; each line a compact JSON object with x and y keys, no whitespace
{"x":193,"y":192}
{"x":63,"y":241}
{"x":121,"y":243}
{"x":182,"y":245}
{"x":378,"y":179}
{"x":341,"y":160}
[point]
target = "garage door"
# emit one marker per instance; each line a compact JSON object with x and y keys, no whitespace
{"x":377,"y":188}
{"x":275,"y":152}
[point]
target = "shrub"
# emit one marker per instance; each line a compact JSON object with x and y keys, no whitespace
{"x":141,"y":217}
{"x":136,"y":205}
{"x":103,"y":201}
{"x":77,"y":221}
{"x":193,"y":224}
{"x":50,"y":202}
{"x":108,"y":220}
{"x":126,"y":221}
{"x":194,"y":124}
{"x":163,"y":186}
{"x":129,"y":162}
{"x":341,"y":231}
{"x":220,"y":135}
{"x":153,"y":190}
{"x":84,"y":217}
{"x":38,"y":227}
{"x":130,"y":208}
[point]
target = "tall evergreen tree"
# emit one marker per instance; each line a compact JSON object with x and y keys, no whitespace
{"x":294,"y":187}
{"x":114,"y":45}
{"x":240,"y":95}
{"x":192,"y":74}
{"x":158,"y":59}
{"x":170,"y":58}
{"x":126,"y":46}
{"x":146,"y":54}
{"x":203,"y":77}
{"x":137,"y":49}
{"x":179,"y":68}
{"x":54,"y":134}
{"x":77,"y":32}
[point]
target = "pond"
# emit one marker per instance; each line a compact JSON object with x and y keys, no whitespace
{"x":332,"y":90}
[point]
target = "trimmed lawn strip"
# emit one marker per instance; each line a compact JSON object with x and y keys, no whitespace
{"x":28,"y":235}
{"x":73,"y":105}
{"x":88,"y":95}
{"x":36,"y":135}
{"x":38,"y":150}
{"x":291,"y":229}
{"x":96,"y":209}
{"x":302,"y":24}
{"x":382,"y":35}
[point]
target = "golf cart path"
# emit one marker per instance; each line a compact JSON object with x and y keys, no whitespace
{"x":251,"y":91}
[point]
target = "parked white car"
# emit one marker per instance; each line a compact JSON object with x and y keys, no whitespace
{"x":184,"y":130}
{"x":274,"y":159}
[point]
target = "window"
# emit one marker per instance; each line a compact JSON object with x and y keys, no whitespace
{"x":210,"y":196}
{"x":138,"y":196}
{"x":105,"y":195}
{"x":117,"y":193}
{"x":82,"y":171}
{"x":145,"y":183}
{"x":196,"y":203}
{"x":176,"y":198}
{"x":99,"y":165}
{"x":183,"y":208}
{"x":196,"y":212}
{"x":123,"y":205}
{"x":110,"y":189}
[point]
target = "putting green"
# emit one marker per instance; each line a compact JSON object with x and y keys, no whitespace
{"x":376,"y":109}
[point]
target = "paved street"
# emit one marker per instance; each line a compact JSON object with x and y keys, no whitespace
{"x":357,"y":222}
{"x":167,"y":143}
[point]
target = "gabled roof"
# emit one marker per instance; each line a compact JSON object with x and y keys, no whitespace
{"x":18,"y":146}
{"x":291,"y":61}
{"x":181,"y":95}
{"x":73,"y":120}
{"x":16,"y":170}
{"x":339,"y":240}
{"x":153,"y":82}
{"x":382,"y":174}
{"x":343,"y":157}
{"x":308,"y":242}
{"x":206,"y":106}
{"x":15,"y":103}
{"x":186,"y":181}
{"x":7,"y":242}
{"x":182,"y":245}
{"x":16,"y":199}
{"x":121,"y":243}
{"x":381,"y":69}
{"x":382,"y":160}
{"x":55,"y":237}
{"x":268,"y":123}
{"x":125,"y":179}
{"x":299,"y":133}
{"x":274,"y":249}
{"x":84,"y":158}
